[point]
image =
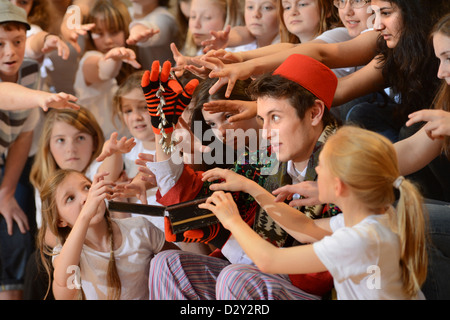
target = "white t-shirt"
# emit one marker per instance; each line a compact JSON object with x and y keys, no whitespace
{"x":141,"y":240}
{"x":363,"y":259}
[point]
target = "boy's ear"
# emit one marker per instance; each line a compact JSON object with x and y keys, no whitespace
{"x":317,"y":112}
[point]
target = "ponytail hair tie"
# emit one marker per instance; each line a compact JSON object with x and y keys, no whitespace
{"x":398,"y":182}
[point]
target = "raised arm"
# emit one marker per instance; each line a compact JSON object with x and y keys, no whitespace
{"x":15,"y":96}
{"x":356,"y":52}
{"x":71,"y":250}
{"x":97,"y":68}
{"x":111,"y":155}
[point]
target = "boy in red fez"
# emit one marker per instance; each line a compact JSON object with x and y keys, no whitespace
{"x":293,"y":105}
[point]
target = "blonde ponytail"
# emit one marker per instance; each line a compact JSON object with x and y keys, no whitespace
{"x":411,"y":220}
{"x":367,"y":163}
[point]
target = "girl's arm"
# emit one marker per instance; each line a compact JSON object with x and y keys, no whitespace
{"x":268,"y":258}
{"x":101,"y":68}
{"x":111,"y":155}
{"x":292,"y":220}
{"x":71,"y":250}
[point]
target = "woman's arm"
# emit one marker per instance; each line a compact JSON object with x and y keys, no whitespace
{"x":416,"y":151}
{"x":356,"y":52}
{"x":359,"y":83}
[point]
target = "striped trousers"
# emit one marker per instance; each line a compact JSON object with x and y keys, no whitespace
{"x":182,"y":275}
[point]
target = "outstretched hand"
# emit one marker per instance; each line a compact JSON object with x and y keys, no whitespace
{"x":113,"y":145}
{"x":57,"y":101}
{"x":438,"y":122}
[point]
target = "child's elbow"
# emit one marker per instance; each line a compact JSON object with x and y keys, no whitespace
{"x":265,"y":262}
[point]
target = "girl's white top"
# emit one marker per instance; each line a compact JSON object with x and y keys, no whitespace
{"x":141,"y":240}
{"x":364,"y":260}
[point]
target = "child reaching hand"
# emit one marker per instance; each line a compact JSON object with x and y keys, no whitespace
{"x":358,"y":172}
{"x":110,"y":258}
{"x":105,"y":62}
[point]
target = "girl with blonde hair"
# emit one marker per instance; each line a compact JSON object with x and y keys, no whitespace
{"x":317,"y":16}
{"x":203,"y":13}
{"x":372,"y":250}
{"x":97,"y":257}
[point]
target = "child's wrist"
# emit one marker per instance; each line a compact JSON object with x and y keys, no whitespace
{"x":47,"y":35}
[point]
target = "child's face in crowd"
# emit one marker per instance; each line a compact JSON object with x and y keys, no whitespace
{"x":70,"y":196}
{"x":219,"y":124}
{"x":71,"y":148}
{"x":106,"y":39}
{"x":290,"y":136}
{"x":24,"y":4}
{"x":136,"y":116}
{"x":388,"y":21}
{"x":301,"y":17}
{"x":261,"y":17}
{"x":441,"y":44}
{"x":205,"y":16}
{"x":355,"y":19}
{"x":12,"y":51}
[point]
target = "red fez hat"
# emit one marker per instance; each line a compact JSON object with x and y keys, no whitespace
{"x":311,"y":74}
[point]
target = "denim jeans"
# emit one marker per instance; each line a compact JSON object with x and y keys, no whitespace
{"x":16,"y":249}
{"x":437,"y":285}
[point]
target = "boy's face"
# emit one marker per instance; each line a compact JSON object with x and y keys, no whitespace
{"x":12,"y":51}
{"x":291,"y":138}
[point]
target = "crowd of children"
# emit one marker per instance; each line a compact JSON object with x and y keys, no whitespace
{"x":320,"y":127}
